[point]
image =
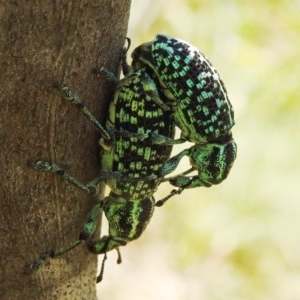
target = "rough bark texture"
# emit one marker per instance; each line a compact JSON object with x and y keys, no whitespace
{"x":43,"y":43}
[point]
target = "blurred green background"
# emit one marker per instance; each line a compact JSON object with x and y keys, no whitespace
{"x":240,"y":239}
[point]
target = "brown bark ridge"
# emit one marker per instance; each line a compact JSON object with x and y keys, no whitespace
{"x":44,"y":43}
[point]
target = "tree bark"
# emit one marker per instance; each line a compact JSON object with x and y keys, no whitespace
{"x":44,"y":43}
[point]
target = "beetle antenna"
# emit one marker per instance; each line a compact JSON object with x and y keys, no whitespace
{"x":174,"y":192}
{"x":119,"y":260}
{"x":100,"y":277}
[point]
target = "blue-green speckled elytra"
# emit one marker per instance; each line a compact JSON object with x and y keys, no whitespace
{"x":131,"y":151}
{"x":201,"y":108}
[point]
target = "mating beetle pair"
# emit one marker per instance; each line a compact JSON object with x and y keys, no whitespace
{"x":169,"y":82}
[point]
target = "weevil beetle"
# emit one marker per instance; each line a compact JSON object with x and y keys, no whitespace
{"x":130,"y":151}
{"x":201,"y":108}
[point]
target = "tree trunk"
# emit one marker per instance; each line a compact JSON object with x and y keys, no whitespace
{"x":45,"y":43}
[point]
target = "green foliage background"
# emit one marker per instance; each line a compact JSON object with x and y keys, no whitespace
{"x":241,"y":239}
